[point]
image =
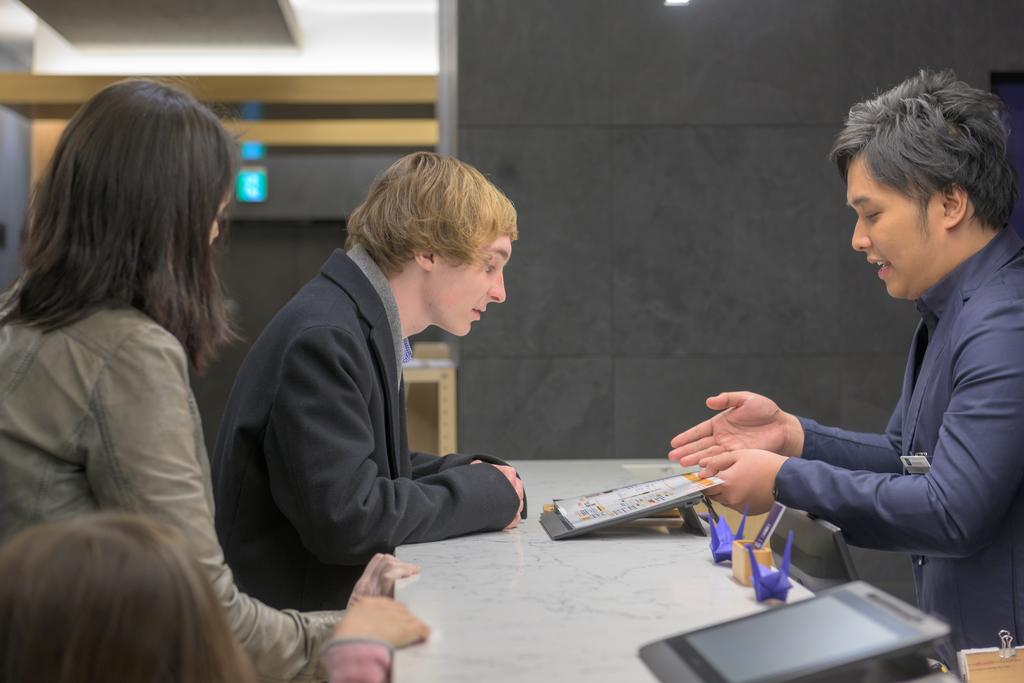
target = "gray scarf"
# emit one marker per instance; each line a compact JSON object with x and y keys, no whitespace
{"x":380,"y":283}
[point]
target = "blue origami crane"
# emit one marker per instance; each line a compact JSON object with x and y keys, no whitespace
{"x":769,"y":582}
{"x":722,"y":538}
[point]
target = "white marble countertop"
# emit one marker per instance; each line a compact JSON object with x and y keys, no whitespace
{"x":516,"y":606}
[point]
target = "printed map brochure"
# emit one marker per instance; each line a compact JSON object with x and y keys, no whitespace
{"x":627,"y":501}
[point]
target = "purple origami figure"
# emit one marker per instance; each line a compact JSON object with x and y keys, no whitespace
{"x":722,"y":538}
{"x":769,"y":582}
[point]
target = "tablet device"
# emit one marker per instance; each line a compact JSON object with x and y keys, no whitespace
{"x":592,"y":511}
{"x":847,"y":633}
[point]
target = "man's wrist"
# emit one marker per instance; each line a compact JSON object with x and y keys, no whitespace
{"x":794,"y":446}
{"x":775,"y":481}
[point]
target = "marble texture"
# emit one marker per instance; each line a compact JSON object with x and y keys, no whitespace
{"x":516,"y":606}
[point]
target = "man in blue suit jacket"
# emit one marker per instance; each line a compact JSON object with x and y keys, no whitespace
{"x":312,"y":472}
{"x":927,"y":174}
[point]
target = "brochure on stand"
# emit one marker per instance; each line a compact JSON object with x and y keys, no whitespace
{"x":582,"y":514}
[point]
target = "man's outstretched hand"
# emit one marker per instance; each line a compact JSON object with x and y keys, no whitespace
{"x":746,"y":421}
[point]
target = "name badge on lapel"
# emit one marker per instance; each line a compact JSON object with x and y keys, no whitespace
{"x":916,"y":463}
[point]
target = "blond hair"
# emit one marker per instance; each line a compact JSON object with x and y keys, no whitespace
{"x":426,"y":202}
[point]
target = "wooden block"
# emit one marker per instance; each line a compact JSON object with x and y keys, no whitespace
{"x":984,"y":665}
{"x":741,"y":569}
{"x":431,"y":350}
{"x":431,"y":409}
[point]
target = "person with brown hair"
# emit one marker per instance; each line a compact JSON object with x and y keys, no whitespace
{"x":119,"y":298}
{"x":113,"y":597}
{"x":312,"y":469}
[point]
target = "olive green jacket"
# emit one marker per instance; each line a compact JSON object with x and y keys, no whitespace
{"x":100,"y":415}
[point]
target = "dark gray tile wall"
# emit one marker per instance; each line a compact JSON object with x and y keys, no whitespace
{"x":658,"y":397}
{"x":15,"y":156}
{"x":719,"y":62}
{"x":682,"y":231}
{"x":884,"y":42}
{"x":1004,"y":44}
{"x":527,"y":62}
{"x":723,"y":240}
{"x":553,"y":407}
{"x":15,"y":152}
{"x":317,"y":184}
{"x":559,"y":293}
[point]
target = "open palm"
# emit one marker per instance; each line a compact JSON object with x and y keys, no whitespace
{"x":746,"y":420}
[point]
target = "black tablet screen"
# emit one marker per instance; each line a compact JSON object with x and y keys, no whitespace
{"x":814,"y":634}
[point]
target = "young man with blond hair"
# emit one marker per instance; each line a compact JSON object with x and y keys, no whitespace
{"x":312,"y":471}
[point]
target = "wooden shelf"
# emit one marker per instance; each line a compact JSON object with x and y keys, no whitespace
{"x":339,"y":132}
{"x":431,"y":409}
{"x":33,"y":89}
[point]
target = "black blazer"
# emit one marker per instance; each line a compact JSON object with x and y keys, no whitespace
{"x":312,"y":471}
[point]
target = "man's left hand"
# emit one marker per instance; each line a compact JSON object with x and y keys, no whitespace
{"x":749,"y":477}
{"x":517,"y":485}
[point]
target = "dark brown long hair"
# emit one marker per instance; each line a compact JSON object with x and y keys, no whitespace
{"x":122,"y":217}
{"x":111,"y":597}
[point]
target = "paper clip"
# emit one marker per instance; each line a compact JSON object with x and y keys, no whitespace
{"x":769,"y":583}
{"x":1006,"y":649}
{"x":722,"y":538}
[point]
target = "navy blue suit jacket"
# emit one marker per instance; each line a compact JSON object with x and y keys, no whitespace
{"x":312,"y":472}
{"x":964,"y":519}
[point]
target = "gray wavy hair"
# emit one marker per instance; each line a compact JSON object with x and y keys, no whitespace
{"x":929,"y":133}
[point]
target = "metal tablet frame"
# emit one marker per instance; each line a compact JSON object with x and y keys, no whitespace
{"x":903,"y":662}
{"x":557,"y":529}
{"x":821,"y":559}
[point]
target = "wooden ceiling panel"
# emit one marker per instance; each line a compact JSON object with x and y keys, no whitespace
{"x":23,"y":89}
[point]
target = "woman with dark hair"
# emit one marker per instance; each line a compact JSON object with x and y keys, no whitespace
{"x":118,"y":298}
{"x":124,"y":217}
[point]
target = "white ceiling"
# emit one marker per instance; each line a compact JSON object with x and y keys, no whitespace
{"x":17,"y":29}
{"x":375,"y":37}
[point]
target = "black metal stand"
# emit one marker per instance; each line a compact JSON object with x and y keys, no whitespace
{"x":691,"y":522}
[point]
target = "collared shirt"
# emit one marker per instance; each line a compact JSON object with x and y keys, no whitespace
{"x":962,"y":404}
{"x":373,"y":273}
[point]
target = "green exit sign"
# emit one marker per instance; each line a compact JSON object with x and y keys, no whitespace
{"x":251,"y":184}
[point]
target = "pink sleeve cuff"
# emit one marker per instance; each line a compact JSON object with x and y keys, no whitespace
{"x":357,"y":662}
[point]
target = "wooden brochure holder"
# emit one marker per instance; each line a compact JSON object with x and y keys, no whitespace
{"x":741,"y":560}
